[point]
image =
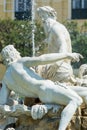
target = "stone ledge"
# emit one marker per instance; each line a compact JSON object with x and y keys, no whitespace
{"x":49,"y":121}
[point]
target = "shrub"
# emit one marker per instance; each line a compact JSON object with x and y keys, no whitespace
{"x":19,"y":33}
{"x":79,"y":39}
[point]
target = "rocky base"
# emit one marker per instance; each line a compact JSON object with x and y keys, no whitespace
{"x":49,"y":122}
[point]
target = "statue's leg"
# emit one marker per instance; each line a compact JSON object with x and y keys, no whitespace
{"x":74,"y":101}
{"x":81,"y":91}
{"x":68,"y":112}
{"x":63,"y":95}
{"x":4,"y":92}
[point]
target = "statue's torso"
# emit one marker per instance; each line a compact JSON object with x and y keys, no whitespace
{"x":22,"y":79}
{"x":54,"y":32}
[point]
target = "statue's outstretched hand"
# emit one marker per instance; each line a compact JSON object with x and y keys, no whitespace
{"x":75,"y":57}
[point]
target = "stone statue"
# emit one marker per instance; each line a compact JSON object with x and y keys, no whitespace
{"x":21,"y":78}
{"x":82,"y":75}
{"x":59,"y":41}
{"x":82,"y":71}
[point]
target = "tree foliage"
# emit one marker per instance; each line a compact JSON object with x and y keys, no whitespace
{"x":19,"y":33}
{"x":79,"y":39}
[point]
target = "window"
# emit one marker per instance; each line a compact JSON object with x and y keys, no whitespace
{"x":1,"y":7}
{"x":79,"y":9}
{"x":8,"y":6}
{"x":23,"y":9}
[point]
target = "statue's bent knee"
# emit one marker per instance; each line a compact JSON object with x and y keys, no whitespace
{"x":78,"y":100}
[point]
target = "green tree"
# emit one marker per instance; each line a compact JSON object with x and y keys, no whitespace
{"x":79,"y":39}
{"x":19,"y":33}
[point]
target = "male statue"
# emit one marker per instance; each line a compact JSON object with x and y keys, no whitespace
{"x":21,"y":78}
{"x":59,"y":41}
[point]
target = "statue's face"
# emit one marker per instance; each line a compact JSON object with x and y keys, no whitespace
{"x":9,"y":54}
{"x":41,"y":12}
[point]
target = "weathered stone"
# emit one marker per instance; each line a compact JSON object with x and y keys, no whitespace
{"x":84,"y":112}
{"x":25,"y":121}
{"x":46,"y":123}
{"x":84,"y":123}
{"x":75,"y":123}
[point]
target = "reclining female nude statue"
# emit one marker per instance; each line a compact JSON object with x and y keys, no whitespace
{"x":21,"y":78}
{"x":59,"y":41}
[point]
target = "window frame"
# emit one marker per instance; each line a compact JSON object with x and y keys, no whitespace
{"x":81,"y":3}
{"x":79,"y":12}
{"x":7,"y":2}
{"x":25,"y":12}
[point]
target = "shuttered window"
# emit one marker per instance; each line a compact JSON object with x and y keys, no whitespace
{"x":79,"y":9}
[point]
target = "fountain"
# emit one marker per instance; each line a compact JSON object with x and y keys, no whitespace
{"x":40,"y":115}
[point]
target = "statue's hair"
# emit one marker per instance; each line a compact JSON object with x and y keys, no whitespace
{"x":49,"y":10}
{"x":9,"y":54}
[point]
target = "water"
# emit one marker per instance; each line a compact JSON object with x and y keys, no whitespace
{"x":33,"y":27}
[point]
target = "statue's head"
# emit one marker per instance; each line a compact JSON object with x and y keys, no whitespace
{"x":82,"y":71}
{"x":9,"y":54}
{"x":46,"y":12}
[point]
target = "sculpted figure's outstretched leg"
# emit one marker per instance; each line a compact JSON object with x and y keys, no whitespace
{"x":63,"y":96}
{"x":67,"y":114}
{"x":81,"y":91}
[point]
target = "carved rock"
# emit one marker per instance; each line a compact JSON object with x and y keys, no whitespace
{"x":50,"y":121}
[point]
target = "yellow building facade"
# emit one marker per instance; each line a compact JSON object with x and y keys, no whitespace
{"x":6,"y":9}
{"x":64,"y":8}
{"x":75,"y":10}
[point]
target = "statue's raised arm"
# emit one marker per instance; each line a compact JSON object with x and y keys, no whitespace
{"x":49,"y":58}
{"x":11,"y":55}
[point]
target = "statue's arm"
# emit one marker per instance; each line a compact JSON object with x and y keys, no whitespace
{"x":49,"y":58}
{"x":4,"y":94}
